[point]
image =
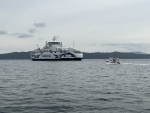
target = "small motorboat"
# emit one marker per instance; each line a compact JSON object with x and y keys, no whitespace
{"x":112,"y":60}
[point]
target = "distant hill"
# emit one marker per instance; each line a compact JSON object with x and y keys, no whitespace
{"x":15,"y":55}
{"x":96,"y":55}
{"x":120,"y":55}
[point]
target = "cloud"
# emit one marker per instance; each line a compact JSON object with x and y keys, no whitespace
{"x":39,"y":25}
{"x":32,"y":31}
{"x":22,"y":35}
{"x":3,"y":32}
{"x":15,"y":34}
{"x":115,"y":44}
{"x":128,"y":46}
{"x":93,"y":44}
{"x":40,"y":38}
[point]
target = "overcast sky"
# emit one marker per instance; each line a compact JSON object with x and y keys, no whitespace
{"x":93,"y":25}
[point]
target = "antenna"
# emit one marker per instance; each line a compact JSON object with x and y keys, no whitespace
{"x":73,"y":44}
{"x":46,"y":43}
{"x":55,"y":38}
{"x":37,"y":46}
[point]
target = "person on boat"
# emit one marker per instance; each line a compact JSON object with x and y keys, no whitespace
{"x":114,"y":60}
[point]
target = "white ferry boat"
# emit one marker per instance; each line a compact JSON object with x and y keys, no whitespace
{"x":55,"y":51}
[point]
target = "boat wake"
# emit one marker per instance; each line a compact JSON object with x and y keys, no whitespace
{"x":136,"y":64}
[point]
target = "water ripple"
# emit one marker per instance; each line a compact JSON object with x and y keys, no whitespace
{"x":88,"y":86}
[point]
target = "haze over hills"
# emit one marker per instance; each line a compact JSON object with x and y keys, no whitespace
{"x":95,"y":55}
{"x":135,"y":52}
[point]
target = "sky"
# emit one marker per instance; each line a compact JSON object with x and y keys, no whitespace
{"x":92,"y":25}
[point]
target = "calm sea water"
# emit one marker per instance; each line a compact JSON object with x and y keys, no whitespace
{"x":87,"y":86}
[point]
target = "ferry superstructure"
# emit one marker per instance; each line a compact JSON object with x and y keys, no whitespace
{"x":55,"y":51}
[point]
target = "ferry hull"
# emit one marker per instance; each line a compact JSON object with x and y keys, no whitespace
{"x":63,"y":59}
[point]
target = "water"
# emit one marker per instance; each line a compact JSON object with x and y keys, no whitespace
{"x":88,"y":86}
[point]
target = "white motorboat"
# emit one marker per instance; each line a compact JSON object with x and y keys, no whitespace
{"x":112,"y":60}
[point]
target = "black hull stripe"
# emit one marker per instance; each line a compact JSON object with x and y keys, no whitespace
{"x":64,"y":59}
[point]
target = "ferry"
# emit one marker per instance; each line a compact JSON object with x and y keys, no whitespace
{"x":55,"y":51}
